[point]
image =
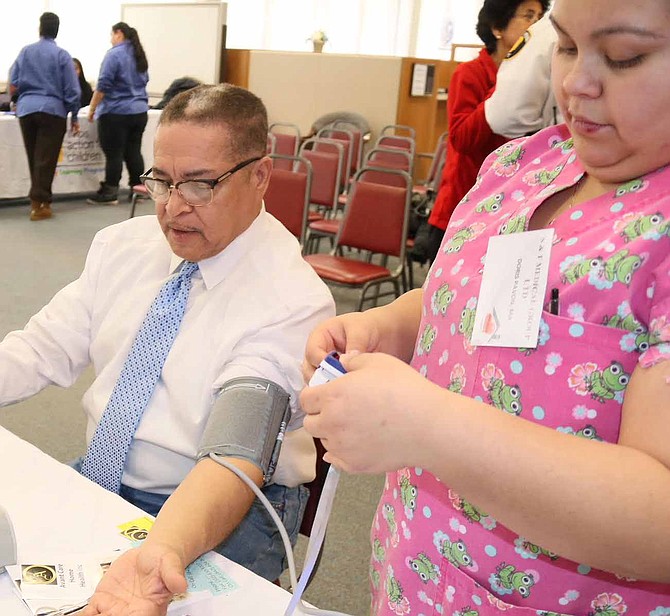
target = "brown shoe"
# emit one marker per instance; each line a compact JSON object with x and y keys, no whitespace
{"x":40,"y":211}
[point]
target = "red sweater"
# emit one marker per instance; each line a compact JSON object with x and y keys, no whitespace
{"x":470,"y":139}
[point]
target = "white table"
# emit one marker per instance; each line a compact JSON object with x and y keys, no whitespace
{"x":56,"y":510}
{"x":81,"y":164}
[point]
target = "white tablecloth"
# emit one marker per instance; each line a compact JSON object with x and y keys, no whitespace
{"x":56,"y":510}
{"x":81,"y":164}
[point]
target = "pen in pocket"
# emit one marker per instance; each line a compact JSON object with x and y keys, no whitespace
{"x":553,"y":302}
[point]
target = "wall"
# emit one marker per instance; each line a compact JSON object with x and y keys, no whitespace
{"x":174,"y":50}
{"x":300,"y":87}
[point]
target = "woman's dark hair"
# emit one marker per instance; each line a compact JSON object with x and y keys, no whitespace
{"x":49,"y":24}
{"x":86,"y":90}
{"x":130,"y":34}
{"x":80,"y":67}
{"x":497,"y":14}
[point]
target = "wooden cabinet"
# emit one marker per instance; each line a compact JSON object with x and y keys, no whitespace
{"x":426,"y":114}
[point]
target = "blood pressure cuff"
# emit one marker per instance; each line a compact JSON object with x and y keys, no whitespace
{"x":248,"y":421}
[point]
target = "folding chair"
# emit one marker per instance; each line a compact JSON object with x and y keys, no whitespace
{"x":287,"y":141}
{"x":287,"y":195}
{"x":375,"y":220}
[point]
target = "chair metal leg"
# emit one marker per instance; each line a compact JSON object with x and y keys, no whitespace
{"x":133,"y":203}
{"x":410,"y":272}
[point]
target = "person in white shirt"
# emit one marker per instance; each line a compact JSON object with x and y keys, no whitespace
{"x":252,"y":303}
{"x":523,"y":101}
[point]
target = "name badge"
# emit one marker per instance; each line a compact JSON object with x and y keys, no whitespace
{"x":512,"y":292}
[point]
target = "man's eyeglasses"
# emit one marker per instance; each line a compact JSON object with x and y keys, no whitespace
{"x":197,"y":193}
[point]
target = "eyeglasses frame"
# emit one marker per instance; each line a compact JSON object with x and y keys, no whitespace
{"x":213,"y":183}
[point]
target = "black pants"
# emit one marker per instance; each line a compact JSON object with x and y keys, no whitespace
{"x":427,"y":242}
{"x":43,"y":137}
{"x":121,"y":140}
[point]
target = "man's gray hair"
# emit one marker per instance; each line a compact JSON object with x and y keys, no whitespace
{"x":240,"y":111}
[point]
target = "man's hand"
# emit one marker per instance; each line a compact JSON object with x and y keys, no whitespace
{"x":141,"y":582}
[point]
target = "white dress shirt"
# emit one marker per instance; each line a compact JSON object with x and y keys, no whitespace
{"x":249,"y":313}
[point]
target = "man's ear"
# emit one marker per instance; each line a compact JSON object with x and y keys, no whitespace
{"x":261,"y":174}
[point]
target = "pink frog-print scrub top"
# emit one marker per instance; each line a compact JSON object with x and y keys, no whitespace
{"x":435,"y":553}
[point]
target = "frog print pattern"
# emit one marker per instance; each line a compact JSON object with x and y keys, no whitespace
{"x":610,"y":262}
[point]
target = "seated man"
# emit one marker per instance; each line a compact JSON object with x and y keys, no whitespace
{"x":170,"y":310}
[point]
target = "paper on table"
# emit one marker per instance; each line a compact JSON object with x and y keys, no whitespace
{"x":47,"y":583}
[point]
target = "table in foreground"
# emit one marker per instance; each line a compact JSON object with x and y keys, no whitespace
{"x":55,"y":510}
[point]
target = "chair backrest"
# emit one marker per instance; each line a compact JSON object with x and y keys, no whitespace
{"x":287,"y":195}
{"x":340,"y":147}
{"x":376,"y":216}
{"x":272,"y":143}
{"x":326,"y":173}
{"x":439,"y":156}
{"x":359,"y":137}
{"x":352,"y":142}
{"x":287,"y":141}
{"x":392,"y":142}
{"x":399,"y":129}
{"x":390,"y":159}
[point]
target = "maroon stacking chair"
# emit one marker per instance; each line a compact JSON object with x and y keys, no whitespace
{"x":343,"y":149}
{"x":346,"y":137}
{"x":438,"y":158}
{"x":391,"y":141}
{"x":389,"y":158}
{"x":374,"y":223}
{"x":357,"y":134}
{"x":287,"y":195}
{"x":287,"y":141}
{"x":327,"y":169}
{"x":328,"y":227}
{"x":327,"y":159}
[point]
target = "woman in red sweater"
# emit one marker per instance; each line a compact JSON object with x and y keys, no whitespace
{"x":471,"y":140}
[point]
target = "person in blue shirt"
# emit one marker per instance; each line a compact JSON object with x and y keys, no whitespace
{"x":120,"y":105}
{"x":44,"y":79}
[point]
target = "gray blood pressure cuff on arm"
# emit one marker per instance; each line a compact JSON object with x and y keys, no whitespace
{"x":248,"y":421}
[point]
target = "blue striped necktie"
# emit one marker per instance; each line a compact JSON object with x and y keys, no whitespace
{"x":107,"y":451}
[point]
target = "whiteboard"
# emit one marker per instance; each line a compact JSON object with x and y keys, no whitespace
{"x":180,"y":40}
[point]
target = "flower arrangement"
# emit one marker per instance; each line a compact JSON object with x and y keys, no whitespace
{"x":318,"y":36}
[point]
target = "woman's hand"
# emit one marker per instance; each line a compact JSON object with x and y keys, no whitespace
{"x":388,"y":329}
{"x":372,"y":418}
{"x":355,"y":331}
